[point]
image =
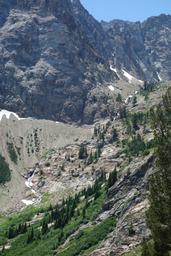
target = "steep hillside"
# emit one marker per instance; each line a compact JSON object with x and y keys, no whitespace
{"x":55,"y":58}
{"x":23,"y":143}
{"x":107,"y":173}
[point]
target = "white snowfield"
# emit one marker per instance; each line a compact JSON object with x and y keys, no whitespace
{"x":27,"y":202}
{"x":7,"y":114}
{"x":111,"y":87}
{"x":114,"y":70}
{"x":159,"y":77}
{"x":130,"y":77}
{"x":29,"y":184}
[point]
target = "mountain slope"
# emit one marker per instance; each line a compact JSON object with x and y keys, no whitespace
{"x":143,"y":49}
{"x":47,"y":61}
{"x":55,"y":58}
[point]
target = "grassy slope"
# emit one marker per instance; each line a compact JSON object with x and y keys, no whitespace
{"x":48,"y":244}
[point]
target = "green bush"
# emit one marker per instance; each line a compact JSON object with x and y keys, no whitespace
{"x":5,"y":172}
{"x":12,"y":153}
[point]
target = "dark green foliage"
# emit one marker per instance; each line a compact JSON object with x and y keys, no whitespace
{"x":131,"y":230}
{"x":123,"y":113}
{"x":93,"y":157}
{"x":134,"y":102}
{"x":63,"y":220}
{"x":149,"y":87}
{"x":12,"y":153}
{"x":15,"y":231}
{"x":114,"y":135}
{"x":112,"y":178}
{"x":119,"y":98}
{"x":135,"y":146}
{"x":90,"y":158}
{"x":145,"y":250}
{"x":89,"y":238}
{"x":82,"y":152}
{"x":135,"y":122}
{"x":159,"y":214}
{"x":30,"y":237}
{"x":44,"y":227}
{"x":5,"y":172}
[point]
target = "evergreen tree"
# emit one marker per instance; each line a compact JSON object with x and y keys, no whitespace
{"x":82,"y":152}
{"x":90,"y":159}
{"x":114,"y":135}
{"x":112,"y":178}
{"x":134,"y":101}
{"x":119,"y":98}
{"x":145,"y":250}
{"x":5,"y":172}
{"x":44,"y":227}
{"x":30,"y":237}
{"x":159,"y":214}
{"x":135,"y":122}
{"x":11,"y":232}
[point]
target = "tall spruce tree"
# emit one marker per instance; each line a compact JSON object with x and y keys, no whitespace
{"x":159,"y":214}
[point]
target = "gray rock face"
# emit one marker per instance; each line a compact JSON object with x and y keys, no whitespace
{"x":54,"y":54}
{"x":143,"y":49}
{"x":128,"y":201}
{"x":46,"y":60}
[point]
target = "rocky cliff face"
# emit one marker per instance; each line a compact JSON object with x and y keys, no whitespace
{"x":54,"y":54}
{"x":47,"y":60}
{"x":143,"y":49}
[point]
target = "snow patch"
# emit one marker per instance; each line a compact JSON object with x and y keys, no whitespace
{"x":159,"y":77}
{"x":128,"y":99}
{"x":130,"y":77}
{"x":111,"y":88}
{"x":27,"y":202}
{"x":29,"y":182}
{"x":114,"y":70}
{"x":8,"y":114}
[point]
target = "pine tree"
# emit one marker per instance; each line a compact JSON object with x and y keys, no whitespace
{"x":84,"y":213}
{"x":11,"y":232}
{"x":114,"y":135}
{"x":134,"y":101}
{"x":90,"y":159}
{"x":119,"y":98}
{"x":30,"y":236}
{"x":82,"y":152}
{"x":159,"y":214}
{"x":135,"y":122}
{"x":145,"y":250}
{"x":112,"y":178}
{"x":44,"y":227}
